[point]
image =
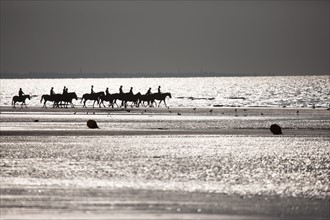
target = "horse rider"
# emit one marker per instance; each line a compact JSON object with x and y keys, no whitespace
{"x":64,"y":90}
{"x":52,"y":91}
{"x":159,"y":89}
{"x":121,"y":90}
{"x":92,"y":91}
{"x":20,"y":93}
{"x":131,"y":91}
{"x":107,"y":91}
{"x":149,"y":91}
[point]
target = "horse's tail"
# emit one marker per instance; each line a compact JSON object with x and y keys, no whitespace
{"x":42,"y":97}
{"x":12,"y":102}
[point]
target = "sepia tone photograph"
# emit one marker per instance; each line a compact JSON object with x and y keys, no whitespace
{"x":165,"y":109}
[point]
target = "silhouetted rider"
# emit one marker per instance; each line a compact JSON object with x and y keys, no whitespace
{"x":120,"y":89}
{"x":158,"y":89}
{"x":92,"y":90}
{"x":107,"y":91}
{"x":131,"y":91}
{"x":64,"y":90}
{"x":20,"y":92}
{"x":52,"y":91}
{"x":149,"y":91}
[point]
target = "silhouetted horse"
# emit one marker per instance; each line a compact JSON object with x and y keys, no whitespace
{"x":128,"y":97}
{"x":20,"y":99}
{"x":57,"y":98}
{"x":111,"y":98}
{"x":93,"y":96}
{"x":65,"y":98}
{"x":161,"y":97}
{"x":146,"y":98}
{"x":47,"y":98}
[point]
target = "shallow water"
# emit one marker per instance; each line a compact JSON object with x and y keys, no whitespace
{"x":291,"y":91}
{"x":243,"y":165}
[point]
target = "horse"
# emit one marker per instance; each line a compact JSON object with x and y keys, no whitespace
{"x":20,"y":99}
{"x":111,"y":98}
{"x":161,"y":97}
{"x":66,"y":98}
{"x":146,"y":98}
{"x":129,"y":97}
{"x":91,"y":96}
{"x":50,"y":98}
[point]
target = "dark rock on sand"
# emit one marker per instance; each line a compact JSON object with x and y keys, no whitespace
{"x":92,"y":124}
{"x":275,"y":129}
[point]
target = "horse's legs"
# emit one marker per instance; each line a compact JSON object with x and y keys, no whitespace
{"x":85,"y":103}
{"x":165,"y":103}
{"x":116,"y":103}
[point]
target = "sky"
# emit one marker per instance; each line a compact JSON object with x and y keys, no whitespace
{"x":165,"y":36}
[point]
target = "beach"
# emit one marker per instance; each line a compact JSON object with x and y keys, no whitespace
{"x":165,"y":163}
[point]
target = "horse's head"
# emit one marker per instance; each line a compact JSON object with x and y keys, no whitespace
{"x":74,"y":95}
{"x":28,"y":96}
{"x":169,"y":95}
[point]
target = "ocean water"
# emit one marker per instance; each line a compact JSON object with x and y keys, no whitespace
{"x":270,"y":91}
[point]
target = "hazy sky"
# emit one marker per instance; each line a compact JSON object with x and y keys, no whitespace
{"x":146,"y":36}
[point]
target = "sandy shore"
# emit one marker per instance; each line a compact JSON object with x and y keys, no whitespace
{"x":163,"y":121}
{"x":164,"y":163}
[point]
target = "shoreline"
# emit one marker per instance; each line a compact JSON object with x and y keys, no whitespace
{"x":162,"y":121}
{"x":202,"y":111}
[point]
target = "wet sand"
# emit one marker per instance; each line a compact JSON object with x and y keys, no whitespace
{"x":38,"y":121}
{"x":53,"y":166}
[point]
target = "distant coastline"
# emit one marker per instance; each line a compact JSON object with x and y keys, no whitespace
{"x":39,"y":75}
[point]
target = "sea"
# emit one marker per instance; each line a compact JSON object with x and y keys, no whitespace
{"x":260,"y":91}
